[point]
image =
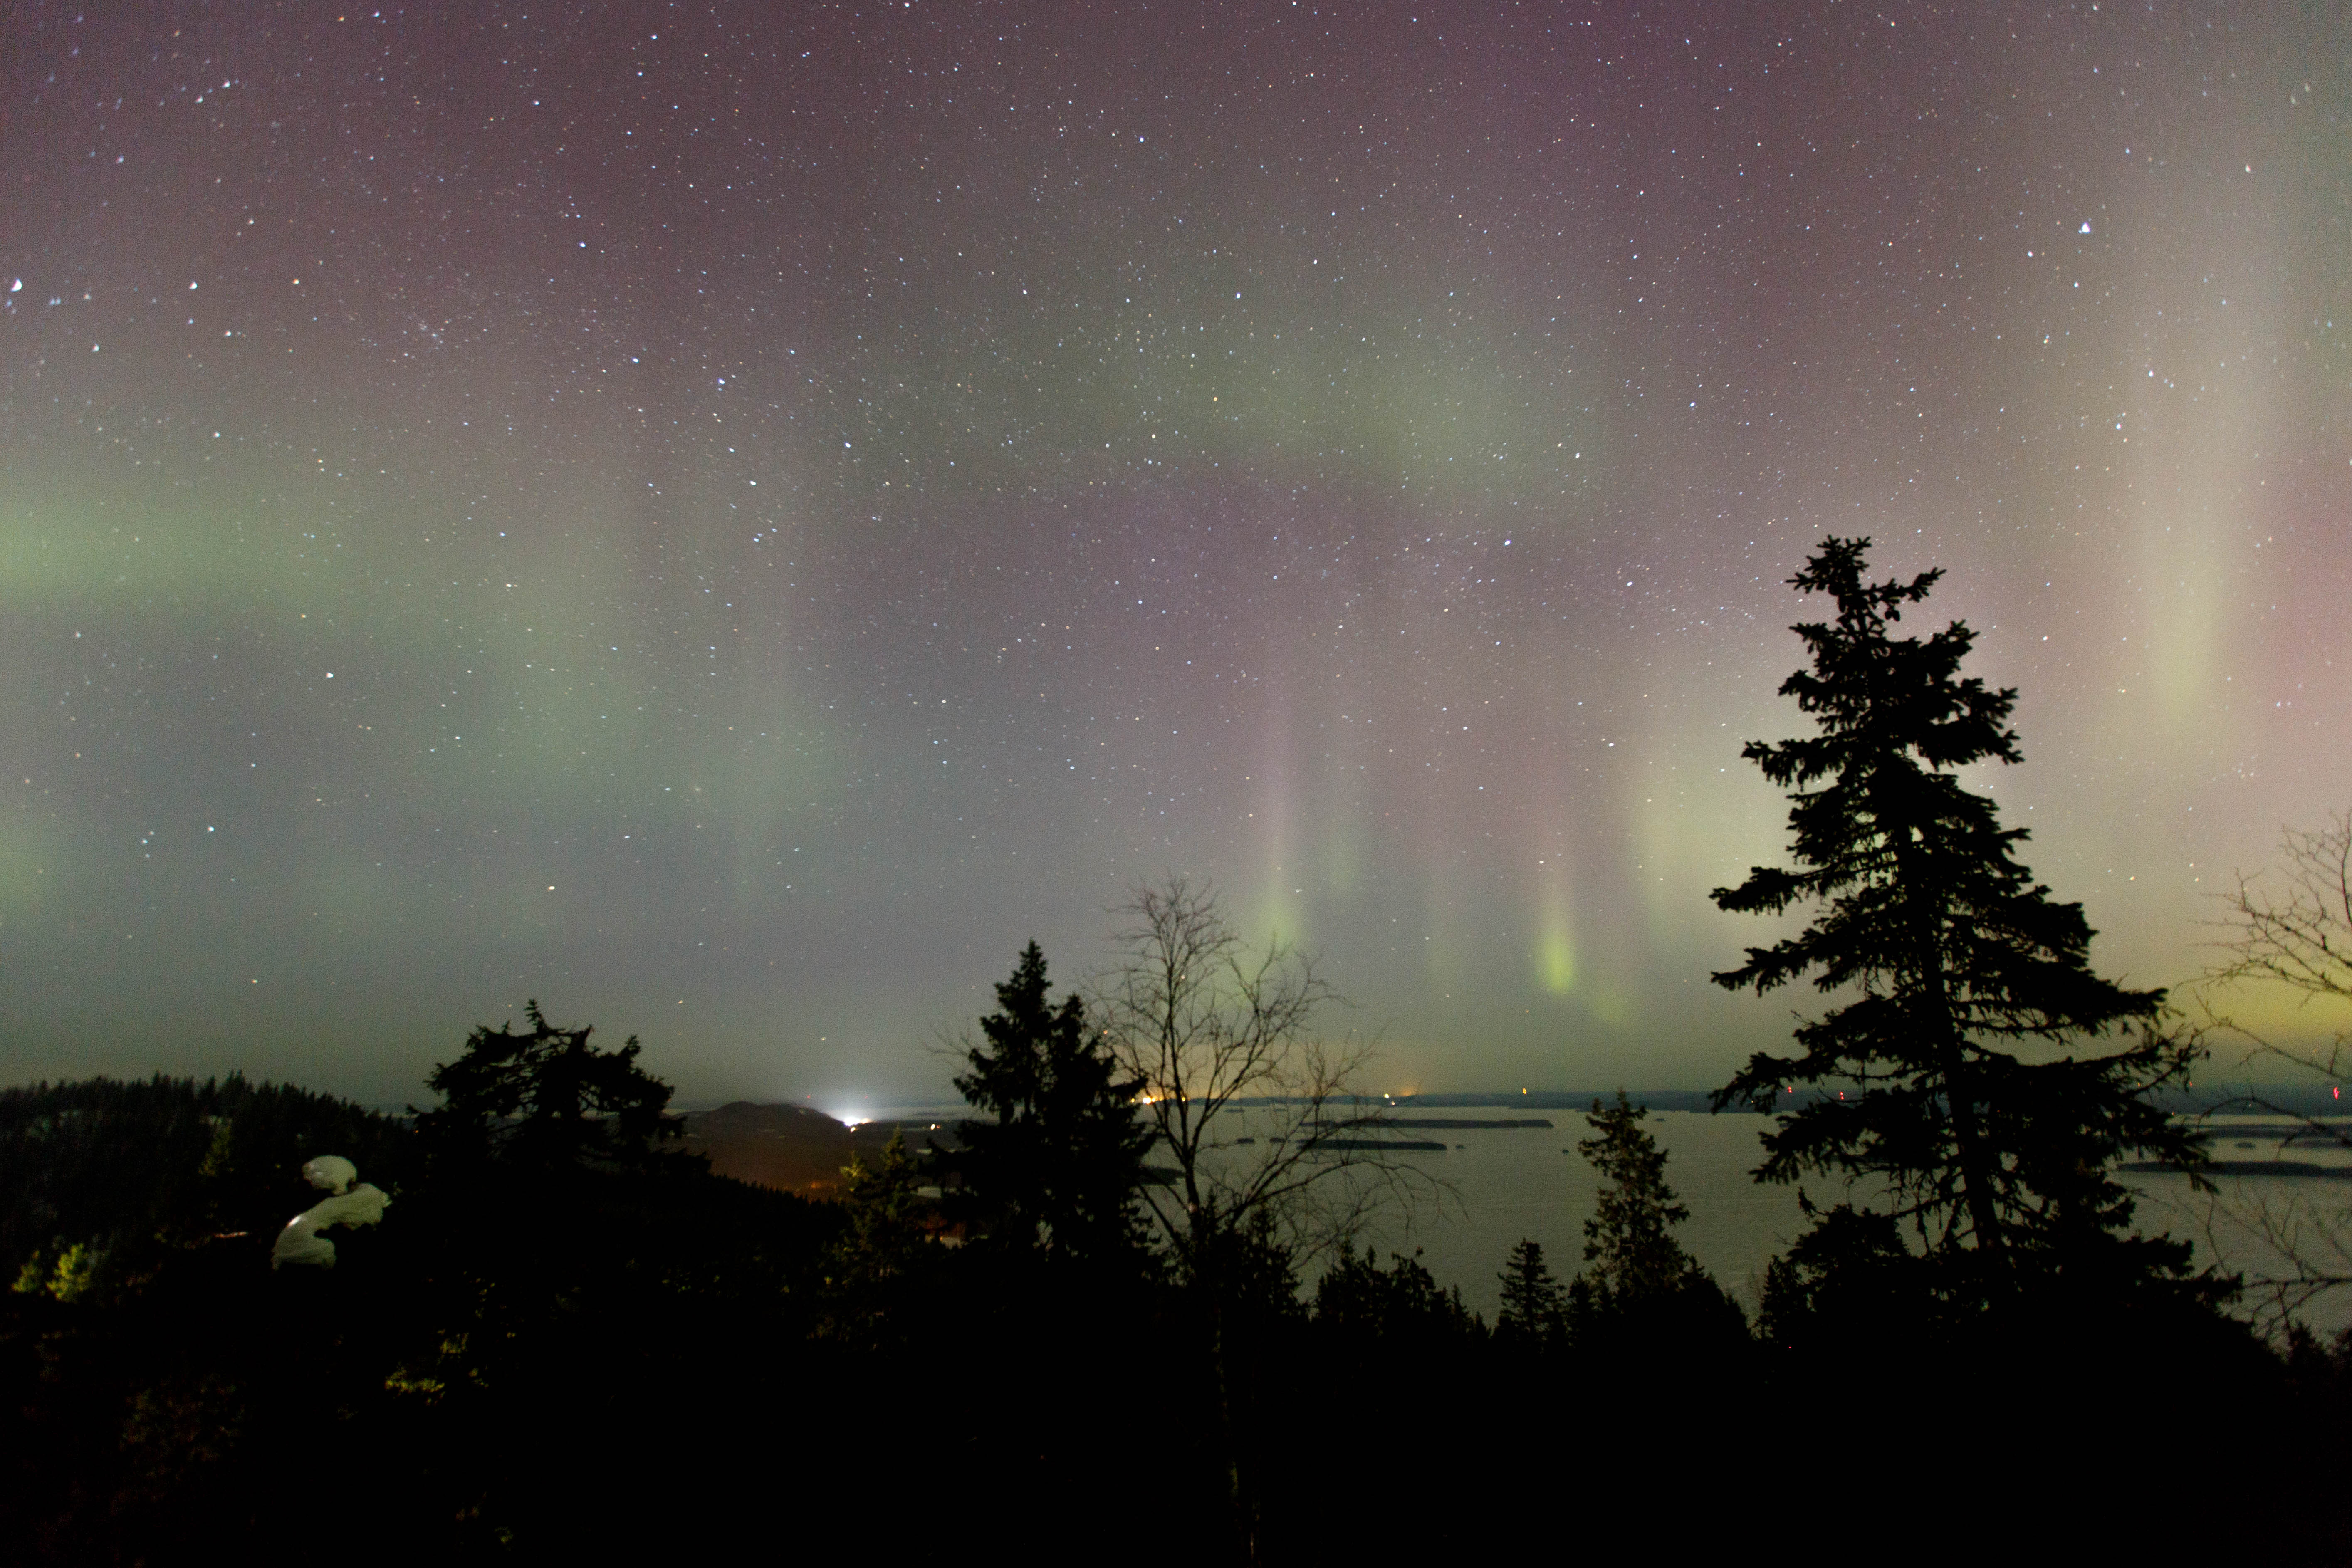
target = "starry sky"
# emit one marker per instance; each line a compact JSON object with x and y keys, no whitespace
{"x":731,"y":519}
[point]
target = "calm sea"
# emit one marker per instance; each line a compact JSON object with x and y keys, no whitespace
{"x":1495,"y":1186}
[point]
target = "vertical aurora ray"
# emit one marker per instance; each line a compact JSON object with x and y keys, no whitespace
{"x":777,"y":552}
{"x":1276,"y":909}
{"x":1555,"y":956}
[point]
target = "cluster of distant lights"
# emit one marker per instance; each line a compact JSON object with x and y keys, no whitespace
{"x":854,"y":1120}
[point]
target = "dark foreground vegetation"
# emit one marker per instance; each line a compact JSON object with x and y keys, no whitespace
{"x":548,"y":1353}
{"x":1122,"y":1318}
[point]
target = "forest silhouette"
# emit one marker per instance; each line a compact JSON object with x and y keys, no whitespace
{"x":1097,"y":1320}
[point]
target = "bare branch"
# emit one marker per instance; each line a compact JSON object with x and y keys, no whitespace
{"x":1258,"y":1112}
{"x":2293,"y":922}
{"x":2291,"y":925}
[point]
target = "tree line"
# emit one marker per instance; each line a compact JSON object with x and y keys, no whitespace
{"x":1114,"y":1314}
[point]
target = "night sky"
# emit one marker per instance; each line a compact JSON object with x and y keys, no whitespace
{"x":731,"y":518}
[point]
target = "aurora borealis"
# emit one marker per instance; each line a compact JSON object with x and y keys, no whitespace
{"x":730,"y":520}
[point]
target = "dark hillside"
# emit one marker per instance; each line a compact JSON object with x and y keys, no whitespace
{"x":791,"y":1148}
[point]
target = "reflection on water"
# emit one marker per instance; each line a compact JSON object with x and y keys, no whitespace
{"x":1510,"y":1185}
{"x":2258,"y":1224}
{"x":1501,"y":1186}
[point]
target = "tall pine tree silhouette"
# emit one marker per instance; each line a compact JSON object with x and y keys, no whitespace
{"x":1630,"y":1251}
{"x":1060,"y":1164}
{"x":1534,"y":1313}
{"x":1957,"y":968}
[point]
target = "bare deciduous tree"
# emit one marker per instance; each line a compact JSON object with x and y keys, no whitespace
{"x":1210,"y":1025}
{"x":1262,"y":1117}
{"x":2291,"y":925}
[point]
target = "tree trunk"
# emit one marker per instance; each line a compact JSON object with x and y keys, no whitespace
{"x":1229,"y":1450}
{"x":1206,"y":1279}
{"x":1977,"y":1191}
{"x":1968,"y":1135}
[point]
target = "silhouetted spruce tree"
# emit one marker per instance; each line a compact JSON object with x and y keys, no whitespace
{"x":1535,"y":1307}
{"x":1639,"y":1289}
{"x":1849,"y":1281}
{"x":547,"y":1100}
{"x":1630,"y":1251}
{"x":1059,"y":1165}
{"x":1953,"y":959}
{"x":881,"y":1270}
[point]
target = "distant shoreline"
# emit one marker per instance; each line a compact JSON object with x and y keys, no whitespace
{"x":2302,"y":1169}
{"x":2315,"y":1101}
